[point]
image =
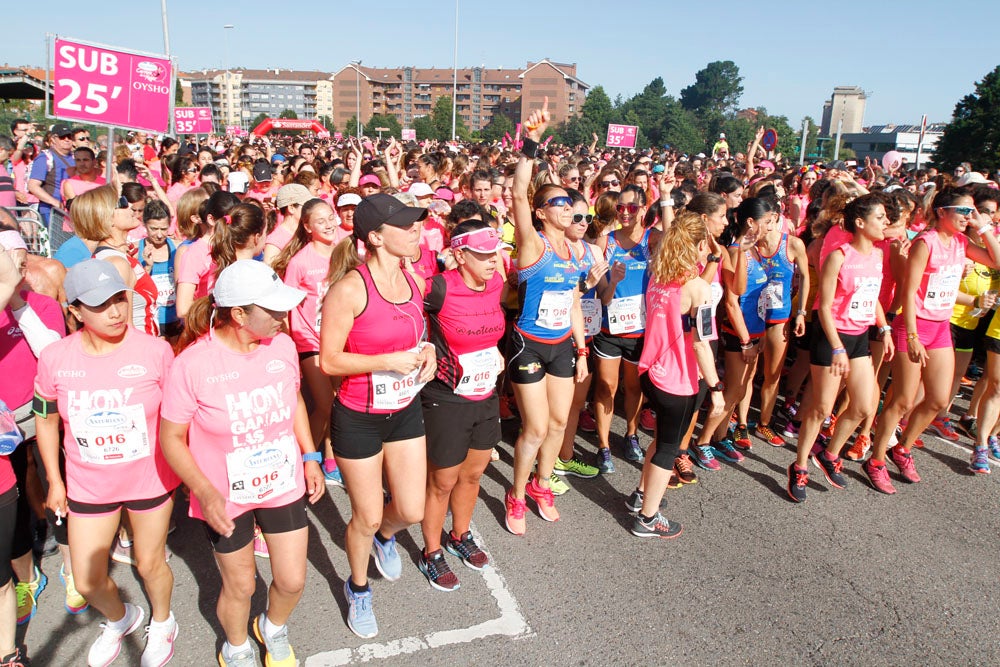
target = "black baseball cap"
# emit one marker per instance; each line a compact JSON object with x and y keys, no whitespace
{"x":382,"y":209}
{"x":61,"y":130}
{"x":262,"y":172}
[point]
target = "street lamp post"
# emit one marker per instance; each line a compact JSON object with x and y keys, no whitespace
{"x":357,"y":94}
{"x":229,"y":92}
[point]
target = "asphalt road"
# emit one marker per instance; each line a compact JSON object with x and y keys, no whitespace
{"x":849,"y":577}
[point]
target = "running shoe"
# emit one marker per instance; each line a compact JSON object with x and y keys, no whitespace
{"x":515,"y":510}
{"x":859,"y":450}
{"x":18,"y":658}
{"x":245,"y":658}
{"x":122,"y":553}
{"x":658,"y":526}
{"x":684,"y":470}
{"x":829,"y":424}
{"x":673,"y":481}
{"x":587,"y":423}
{"x":832,"y":470}
{"x":725,"y":449}
{"x":968,"y":424}
{"x":543,"y":499}
{"x":733,"y":422}
{"x":741,"y":438}
{"x":633,"y":452}
{"x":791,"y":430}
{"x":703,"y":456}
{"x":647,"y":419}
{"x":160,"y":645}
{"x":979,"y":463}
{"x":387,"y":559}
{"x":790,"y":411}
{"x":260,"y":544}
{"x":360,"y":615}
{"x":798,"y":479}
{"x":333,"y":477}
{"x":904,"y":461}
{"x":634,"y":502}
{"x":941,"y":426}
{"x":994,"y":446}
{"x":27,"y":593}
{"x":75,"y":603}
{"x":109,"y":643}
{"x":604,"y":463}
{"x":767,"y":434}
{"x":878,"y":475}
{"x":466,"y":548}
{"x":575,"y":467}
{"x":558,"y":486}
{"x":439,"y":575}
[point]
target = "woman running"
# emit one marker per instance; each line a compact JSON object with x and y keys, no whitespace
{"x":373,"y":335}
{"x":105,"y":384}
{"x":235,"y":429}
{"x":543,"y":365}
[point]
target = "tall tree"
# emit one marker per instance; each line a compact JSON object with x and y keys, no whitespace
{"x":597,"y":108}
{"x":178,"y":94}
{"x":441,"y":120}
{"x":680,"y":130}
{"x":973,"y":135}
{"x":327,"y":122}
{"x":385,"y":120}
{"x":717,"y":87}
{"x":424,"y":128}
{"x":289,"y":114}
{"x":499,"y":125}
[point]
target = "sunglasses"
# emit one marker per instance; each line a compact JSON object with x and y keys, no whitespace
{"x":86,"y":138}
{"x":608,"y":184}
{"x":573,"y":179}
{"x":580,"y":217}
{"x":190,"y":171}
{"x":631,"y":208}
{"x":559,"y":201}
{"x":122,"y":202}
{"x":960,"y":210}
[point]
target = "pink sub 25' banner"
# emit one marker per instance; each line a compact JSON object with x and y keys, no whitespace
{"x":108,"y":86}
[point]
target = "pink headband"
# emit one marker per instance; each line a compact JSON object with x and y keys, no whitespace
{"x":484,"y":240}
{"x":11,"y":240}
{"x":228,"y":219}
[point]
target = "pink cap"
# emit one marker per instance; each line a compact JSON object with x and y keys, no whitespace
{"x":486,"y":240}
{"x":444,"y":193}
{"x":370,"y":179}
{"x":420,"y":190}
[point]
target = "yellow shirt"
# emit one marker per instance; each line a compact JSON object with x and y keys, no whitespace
{"x":976,"y":282}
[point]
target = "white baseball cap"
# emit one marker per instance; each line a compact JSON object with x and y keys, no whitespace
{"x":247,"y":281}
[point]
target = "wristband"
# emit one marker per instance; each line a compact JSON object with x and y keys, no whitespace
{"x":747,"y":345}
{"x":985,"y":228}
{"x":667,"y":202}
{"x":886,"y":329}
{"x":912,"y":336}
{"x":713,"y":258}
{"x":838,"y":350}
{"x":529,"y":148}
{"x":583,"y":351}
{"x":312,"y":456}
{"x":801,"y":312}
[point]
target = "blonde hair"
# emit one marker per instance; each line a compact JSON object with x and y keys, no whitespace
{"x":676,"y":258}
{"x":187,"y":208}
{"x":93,"y":212}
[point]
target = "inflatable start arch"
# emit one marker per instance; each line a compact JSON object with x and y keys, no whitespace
{"x":290,"y":124}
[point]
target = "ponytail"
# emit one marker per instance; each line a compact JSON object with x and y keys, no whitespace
{"x":233,"y":232}
{"x":676,"y":257}
{"x":344,"y":259}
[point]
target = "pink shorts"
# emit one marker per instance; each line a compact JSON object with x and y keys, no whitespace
{"x":933,"y":334}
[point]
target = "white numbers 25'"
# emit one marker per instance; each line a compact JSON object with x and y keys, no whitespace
{"x":96,"y":94}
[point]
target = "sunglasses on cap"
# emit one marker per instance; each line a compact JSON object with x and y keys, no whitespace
{"x":580,"y":217}
{"x":607,"y":184}
{"x":960,"y":210}
{"x":631,"y":208}
{"x":559,"y":201}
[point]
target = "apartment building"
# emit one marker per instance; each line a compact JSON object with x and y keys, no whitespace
{"x":240,"y":95}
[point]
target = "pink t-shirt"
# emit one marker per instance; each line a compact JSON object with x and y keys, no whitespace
{"x":426,"y":265}
{"x":858,"y":285}
{"x":307,"y":271}
{"x":240,"y":408}
{"x":279,"y":237}
{"x":17,"y":362}
{"x":110,"y":407}
{"x":178,"y":190}
{"x":197,"y":267}
{"x":935,"y":298}
{"x":668,"y":352}
{"x":835,"y":237}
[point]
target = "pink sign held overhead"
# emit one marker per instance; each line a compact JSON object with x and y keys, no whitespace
{"x":622,"y":136}
{"x":193,"y":120}
{"x":409,"y":134}
{"x":109,"y":86}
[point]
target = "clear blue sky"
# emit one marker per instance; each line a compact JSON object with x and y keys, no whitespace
{"x":912,"y":57}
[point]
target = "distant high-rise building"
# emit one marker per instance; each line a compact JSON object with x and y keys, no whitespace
{"x":848,"y":104}
{"x":240,"y":95}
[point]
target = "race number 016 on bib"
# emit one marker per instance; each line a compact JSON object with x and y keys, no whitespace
{"x":394,"y":391}
{"x":479,"y":372}
{"x":107,"y":437}
{"x":553,"y":309}
{"x":591,"y":316}
{"x":256,"y":473}
{"x":626,"y":314}
{"x":942,"y":288}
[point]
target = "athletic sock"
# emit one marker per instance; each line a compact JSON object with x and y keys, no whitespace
{"x":357,"y":589}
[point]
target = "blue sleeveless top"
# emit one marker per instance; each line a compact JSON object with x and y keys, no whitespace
{"x":776,"y":298}
{"x":162,"y":274}
{"x":545,"y":294}
{"x":628,"y":306}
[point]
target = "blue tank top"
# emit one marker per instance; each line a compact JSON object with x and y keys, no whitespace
{"x":776,"y":298}
{"x":545,"y":293}
{"x":162,"y":274}
{"x":589,"y":302}
{"x":625,"y":316}
{"x":750,"y":300}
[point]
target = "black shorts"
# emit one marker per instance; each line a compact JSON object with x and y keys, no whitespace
{"x":804,"y":342}
{"x":360,"y":435}
{"x":8,"y":523}
{"x":991,"y":345}
{"x":731,"y":342}
{"x":966,"y":340}
{"x":821,"y":353}
{"x":673,"y":416}
{"x":531,"y":360}
{"x":609,"y":346}
{"x":271,"y":520}
{"x":455,"y":427}
{"x":308,"y":355}
{"x":99,"y":509}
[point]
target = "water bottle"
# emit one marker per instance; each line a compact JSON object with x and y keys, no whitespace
{"x":10,"y":434}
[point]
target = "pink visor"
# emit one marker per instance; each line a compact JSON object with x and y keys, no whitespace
{"x":485,"y":240}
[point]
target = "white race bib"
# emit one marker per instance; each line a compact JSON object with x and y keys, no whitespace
{"x":321,"y":288}
{"x":554,"y":308}
{"x":864,"y":300}
{"x":479,"y":372}
{"x":942,"y":288}
{"x":393,"y":391}
{"x":166,"y":292}
{"x":717,"y":294}
{"x":257,"y":473}
{"x":627,"y":314}
{"x":107,"y":437}
{"x":771,"y":298}
{"x":591,"y":316}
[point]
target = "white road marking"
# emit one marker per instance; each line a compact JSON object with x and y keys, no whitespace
{"x":965,"y":448}
{"x":511,"y":623}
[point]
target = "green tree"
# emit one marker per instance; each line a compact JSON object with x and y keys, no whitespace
{"x":424,"y":127}
{"x":289,"y":114}
{"x":680,"y":129}
{"x":441,"y":121}
{"x":178,"y":94}
{"x":812,"y":143}
{"x":385,"y":120}
{"x":351,"y":128}
{"x":717,"y":87}
{"x":973,"y":135}
{"x":258,"y":119}
{"x":499,"y":125}
{"x":577,"y":131}
{"x":597,"y":108}
{"x":327,"y":122}
{"x":648,"y":109}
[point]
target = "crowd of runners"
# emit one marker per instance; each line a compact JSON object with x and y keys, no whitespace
{"x":236,"y":325}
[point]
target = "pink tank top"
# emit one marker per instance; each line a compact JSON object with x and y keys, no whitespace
{"x":383,"y":327}
{"x":938,"y":289}
{"x":668,"y":351}
{"x":856,"y":296}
